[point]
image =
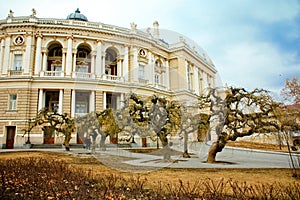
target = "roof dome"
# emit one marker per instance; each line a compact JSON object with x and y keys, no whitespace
{"x":77,"y":16}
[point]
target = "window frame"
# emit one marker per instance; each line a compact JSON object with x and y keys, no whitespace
{"x":12,"y":103}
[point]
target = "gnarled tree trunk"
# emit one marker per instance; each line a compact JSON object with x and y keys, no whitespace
{"x":213,"y":150}
{"x":102,"y":142}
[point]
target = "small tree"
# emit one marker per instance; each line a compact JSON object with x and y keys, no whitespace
{"x":189,"y":124}
{"x":291,"y":91}
{"x":240,"y":113}
{"x":151,"y":116}
{"x":60,"y":123}
{"x":97,"y":124}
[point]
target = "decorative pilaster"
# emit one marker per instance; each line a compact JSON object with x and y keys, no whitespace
{"x":135,"y":65}
{"x":1,"y":53}
{"x":69,"y":56}
{"x":196,"y":81}
{"x":27,"y":59}
{"x":99,"y":64}
{"x":167,"y":75}
{"x":6,"y":56}
{"x":150,"y":68}
{"x":125,"y":64}
{"x":38,"y":55}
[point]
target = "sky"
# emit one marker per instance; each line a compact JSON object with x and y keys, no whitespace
{"x":252,"y":43}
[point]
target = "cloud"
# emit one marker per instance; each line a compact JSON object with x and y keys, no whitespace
{"x":256,"y":65}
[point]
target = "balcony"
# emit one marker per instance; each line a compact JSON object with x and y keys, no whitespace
{"x":112,"y":77}
{"x":83,"y":75}
{"x":18,"y":72}
{"x":159,"y":86}
{"x":52,"y":73}
{"x":143,"y":81}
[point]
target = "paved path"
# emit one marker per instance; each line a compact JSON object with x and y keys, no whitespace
{"x":231,"y":157}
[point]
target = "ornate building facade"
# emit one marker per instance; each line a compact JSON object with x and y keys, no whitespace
{"x":75,"y":66}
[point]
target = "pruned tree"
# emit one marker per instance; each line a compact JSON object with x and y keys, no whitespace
{"x":190,"y":123}
{"x":151,"y":116}
{"x":60,"y":123}
{"x":291,"y":90}
{"x":239,"y":113}
{"x":97,"y":124}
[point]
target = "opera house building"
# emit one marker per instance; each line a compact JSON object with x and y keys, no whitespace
{"x":76,"y":66}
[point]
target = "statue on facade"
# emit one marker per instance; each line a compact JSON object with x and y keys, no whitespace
{"x":33,"y":12}
{"x":133,"y":25}
{"x":11,"y":13}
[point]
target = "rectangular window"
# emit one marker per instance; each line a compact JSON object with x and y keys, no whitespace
{"x":81,"y":107}
{"x":18,"y":62}
{"x":12,"y":104}
{"x":141,"y":72}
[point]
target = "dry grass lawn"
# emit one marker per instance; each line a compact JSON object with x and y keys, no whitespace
{"x":168,"y":175}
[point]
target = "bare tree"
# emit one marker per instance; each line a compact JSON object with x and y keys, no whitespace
{"x":97,"y":124}
{"x":239,"y":113}
{"x":190,"y":123}
{"x":151,"y":116}
{"x":291,"y":91}
{"x":60,"y":123}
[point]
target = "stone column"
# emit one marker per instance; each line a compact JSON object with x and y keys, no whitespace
{"x":93,"y":64}
{"x":119,"y":67}
{"x":99,"y":64}
{"x":196,"y":80}
{"x":135,"y":65}
{"x":41,"y":101}
{"x":1,"y":53}
{"x":92,"y":101}
{"x":122,"y":98}
{"x":187,"y":76}
{"x":125,"y":64}
{"x":63,"y":64}
{"x":60,"y":101}
{"x":45,"y":57}
{"x":27,"y":54}
{"x":104,"y":100}
{"x":103,"y":65}
{"x":6,"y":55}
{"x":74,"y":62}
{"x":150,"y":71}
{"x":38,"y":55}
{"x":73,"y":104}
{"x":69,"y":57}
{"x":167,"y":75}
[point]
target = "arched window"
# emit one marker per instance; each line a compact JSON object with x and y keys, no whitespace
{"x":111,"y":62}
{"x":159,"y":70}
{"x":54,"y":57}
{"x":83,"y":59}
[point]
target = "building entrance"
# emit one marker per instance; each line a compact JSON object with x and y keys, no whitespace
{"x":10,"y":137}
